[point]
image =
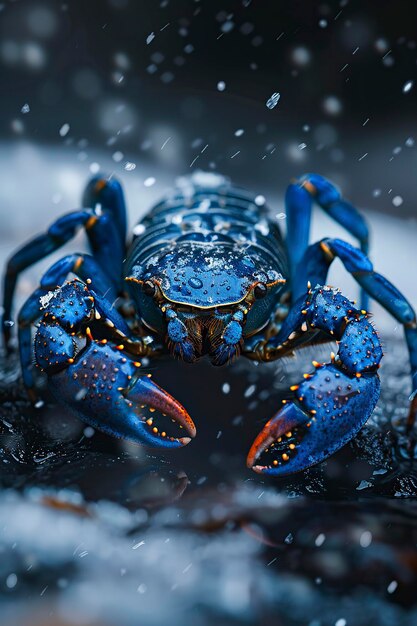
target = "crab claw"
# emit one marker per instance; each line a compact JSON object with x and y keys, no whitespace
{"x":147,"y":395}
{"x":103,"y":387}
{"x":278,"y":440}
{"x":331,"y":408}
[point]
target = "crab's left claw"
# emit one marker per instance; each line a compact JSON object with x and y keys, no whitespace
{"x":107,"y":390}
{"x":145,"y":395}
{"x":330,"y":408}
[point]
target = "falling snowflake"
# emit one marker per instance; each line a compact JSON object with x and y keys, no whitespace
{"x":272,"y":102}
{"x":64,"y":130}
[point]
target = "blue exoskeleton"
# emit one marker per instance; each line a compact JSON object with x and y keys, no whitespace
{"x":206,"y":272}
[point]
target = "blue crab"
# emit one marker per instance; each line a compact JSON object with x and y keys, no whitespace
{"x":206,"y":272}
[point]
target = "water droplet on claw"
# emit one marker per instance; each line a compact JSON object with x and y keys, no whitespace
{"x":195,"y":283}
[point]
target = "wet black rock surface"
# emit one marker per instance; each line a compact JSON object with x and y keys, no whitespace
{"x":97,"y":531}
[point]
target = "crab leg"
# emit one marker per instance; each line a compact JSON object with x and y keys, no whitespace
{"x":299,"y":199}
{"x":104,"y":229}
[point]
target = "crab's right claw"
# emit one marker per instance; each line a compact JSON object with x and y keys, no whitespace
{"x":279,"y":443}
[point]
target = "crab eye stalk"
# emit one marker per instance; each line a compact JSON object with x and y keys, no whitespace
{"x":149,"y":288}
{"x":260,"y":291}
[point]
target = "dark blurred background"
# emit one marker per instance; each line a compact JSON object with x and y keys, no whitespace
{"x":168,"y":83}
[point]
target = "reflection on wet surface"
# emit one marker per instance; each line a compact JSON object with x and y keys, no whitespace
{"x":101,"y":532}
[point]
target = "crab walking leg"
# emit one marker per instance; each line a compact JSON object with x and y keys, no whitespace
{"x":331,"y":404}
{"x":105,"y":241}
{"x":315,"y":267}
{"x":299,"y":198}
{"x":108,"y":193}
{"x":85,"y":267}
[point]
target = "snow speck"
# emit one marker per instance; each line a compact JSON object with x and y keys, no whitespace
{"x":409,"y":142}
{"x":364,"y":484}
{"x":260,"y":200}
{"x":408,"y":86}
{"x":149,"y":181}
{"x":332,"y":105}
{"x":365,"y":539}
{"x":250,"y":391}
{"x":139,"y":229}
{"x":11,"y":581}
{"x":320,"y":539}
{"x":64,"y":130}
{"x":323,"y":23}
{"x":239,"y":132}
{"x":150,"y":38}
{"x":129,"y":166}
{"x":272,"y":102}
{"x":221,"y":85}
{"x":117,"y":156}
{"x":94,"y":168}
{"x":226,"y":388}
{"x":392,"y":586}
{"x":378,"y":472}
{"x":25,"y":109}
{"x":397,"y":201}
{"x":302,"y":146}
{"x":340,"y":622}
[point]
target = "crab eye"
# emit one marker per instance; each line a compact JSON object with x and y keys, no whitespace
{"x":149,"y":288}
{"x":260,"y":291}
